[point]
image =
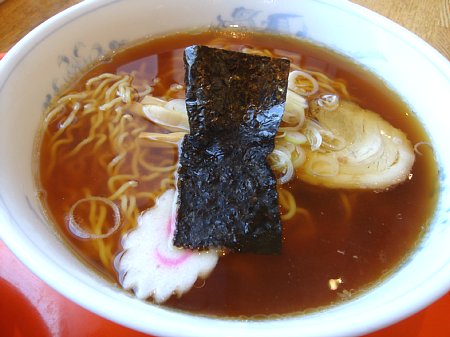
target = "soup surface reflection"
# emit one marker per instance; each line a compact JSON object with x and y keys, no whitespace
{"x":345,"y":242}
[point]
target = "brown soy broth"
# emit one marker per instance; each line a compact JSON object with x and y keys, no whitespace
{"x":360,"y":247}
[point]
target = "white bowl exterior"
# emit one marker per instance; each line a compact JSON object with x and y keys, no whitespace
{"x":43,"y":61}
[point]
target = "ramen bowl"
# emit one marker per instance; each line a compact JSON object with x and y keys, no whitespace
{"x":41,"y":63}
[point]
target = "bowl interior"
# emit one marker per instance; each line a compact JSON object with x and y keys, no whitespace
{"x":35,"y":69}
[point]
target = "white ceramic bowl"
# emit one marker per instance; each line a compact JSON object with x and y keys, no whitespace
{"x":35,"y":68}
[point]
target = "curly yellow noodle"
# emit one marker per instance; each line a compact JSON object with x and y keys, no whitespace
{"x":146,"y":195}
{"x":327,"y":87}
{"x":135,"y":159}
{"x":167,"y":183}
{"x":105,"y":253}
{"x":122,"y":189}
{"x":129,"y":210}
{"x":54,"y":149}
{"x":52,"y":114}
{"x":110,"y":94}
{"x":115,"y":161}
{"x":80,"y":145}
{"x":99,"y":219}
{"x":101,"y":89}
{"x":111,"y":104}
{"x":89,"y":109}
{"x":101,"y":140}
{"x":66,"y":122}
{"x":123,"y":203}
{"x":151,"y":176}
{"x":305,"y":213}
{"x":119,"y":161}
{"x":150,"y":167}
{"x":288,"y":203}
{"x":92,"y":214}
{"x":103,"y":247}
{"x":119,"y":143}
{"x":113,"y":179}
{"x":96,"y":121}
{"x":136,"y":131}
{"x":132,"y":207}
{"x":72,"y":97}
{"x":104,"y":76}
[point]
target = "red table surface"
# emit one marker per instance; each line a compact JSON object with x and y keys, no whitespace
{"x":30,"y":308}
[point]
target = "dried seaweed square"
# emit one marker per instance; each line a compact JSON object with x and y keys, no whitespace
{"x":227,"y":195}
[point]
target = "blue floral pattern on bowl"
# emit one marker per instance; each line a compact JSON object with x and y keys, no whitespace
{"x":80,"y":57}
{"x":242,"y":17}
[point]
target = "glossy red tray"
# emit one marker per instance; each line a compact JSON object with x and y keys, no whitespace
{"x":29,"y":308}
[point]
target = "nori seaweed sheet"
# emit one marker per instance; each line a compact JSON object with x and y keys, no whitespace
{"x":227,"y":195}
